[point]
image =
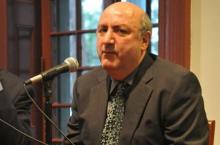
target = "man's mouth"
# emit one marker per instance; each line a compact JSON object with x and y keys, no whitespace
{"x":108,"y":52}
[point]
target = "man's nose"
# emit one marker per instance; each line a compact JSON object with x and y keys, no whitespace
{"x":109,"y":37}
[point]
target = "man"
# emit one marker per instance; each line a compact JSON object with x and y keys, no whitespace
{"x":162,"y":103}
{"x":15,"y":109}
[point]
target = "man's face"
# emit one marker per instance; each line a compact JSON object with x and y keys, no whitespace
{"x":120,"y":45}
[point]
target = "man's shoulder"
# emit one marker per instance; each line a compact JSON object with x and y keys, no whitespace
{"x":9,"y":77}
{"x":168,"y":67}
{"x":10,"y":80}
{"x":13,"y":86}
{"x":167,"y":75}
{"x":166,"y":71}
{"x":89,"y":79}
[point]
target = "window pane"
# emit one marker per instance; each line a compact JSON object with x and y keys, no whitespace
{"x":63,"y":47}
{"x":91,"y":11}
{"x":154,"y":41}
{"x":60,"y":117}
{"x":140,"y":3}
{"x":89,"y":53}
{"x":63,"y":15}
{"x":154,"y":11}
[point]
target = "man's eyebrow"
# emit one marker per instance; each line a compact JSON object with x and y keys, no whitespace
{"x":101,"y":25}
{"x":120,"y":25}
{"x":115,"y":26}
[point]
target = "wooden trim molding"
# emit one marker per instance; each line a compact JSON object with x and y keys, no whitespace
{"x":211,"y":131}
{"x":174,"y":31}
{"x":3,"y":34}
{"x":46,"y":30}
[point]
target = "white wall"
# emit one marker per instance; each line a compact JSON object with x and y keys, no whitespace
{"x":205,"y":55}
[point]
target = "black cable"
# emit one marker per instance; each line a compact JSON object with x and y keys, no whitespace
{"x":23,"y":133}
{"x":44,"y":114}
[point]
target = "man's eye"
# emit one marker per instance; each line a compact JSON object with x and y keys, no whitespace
{"x":102,"y":30}
{"x":122,"y":31}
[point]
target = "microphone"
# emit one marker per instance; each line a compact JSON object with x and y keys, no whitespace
{"x":70,"y":64}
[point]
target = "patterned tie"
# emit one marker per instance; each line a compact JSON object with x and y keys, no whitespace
{"x":115,"y":115}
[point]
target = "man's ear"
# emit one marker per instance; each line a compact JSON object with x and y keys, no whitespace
{"x":146,"y":37}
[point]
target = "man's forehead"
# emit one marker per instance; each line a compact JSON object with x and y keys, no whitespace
{"x":118,"y":17}
{"x":116,"y":11}
{"x":124,"y":8}
{"x":124,"y":5}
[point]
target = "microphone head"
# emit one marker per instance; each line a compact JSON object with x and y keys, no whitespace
{"x":72,"y":63}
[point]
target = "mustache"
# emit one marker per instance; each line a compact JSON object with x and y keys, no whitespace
{"x":109,"y":48}
{"x":107,"y":51}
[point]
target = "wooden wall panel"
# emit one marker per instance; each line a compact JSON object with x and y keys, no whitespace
{"x":3,"y":34}
{"x":174,"y":31}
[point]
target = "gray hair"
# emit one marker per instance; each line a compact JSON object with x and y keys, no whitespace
{"x":145,"y":24}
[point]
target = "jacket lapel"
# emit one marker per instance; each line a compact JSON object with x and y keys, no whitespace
{"x":97,"y":109}
{"x":135,"y":107}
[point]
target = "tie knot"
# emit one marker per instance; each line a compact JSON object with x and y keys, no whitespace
{"x":121,"y":89}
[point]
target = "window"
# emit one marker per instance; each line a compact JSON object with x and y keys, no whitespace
{"x":74,"y":27}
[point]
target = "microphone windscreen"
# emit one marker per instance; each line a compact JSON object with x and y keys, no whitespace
{"x":72,"y":64}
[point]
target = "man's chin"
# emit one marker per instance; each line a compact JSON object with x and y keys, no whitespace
{"x":108,"y":66}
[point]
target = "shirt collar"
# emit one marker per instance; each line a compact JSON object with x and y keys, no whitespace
{"x":136,"y":75}
{"x":129,"y":80}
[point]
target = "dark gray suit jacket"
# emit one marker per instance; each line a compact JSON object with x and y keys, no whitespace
{"x":164,"y":108}
{"x":15,"y":109}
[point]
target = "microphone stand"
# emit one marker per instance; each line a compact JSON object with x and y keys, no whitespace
{"x":47,"y":87}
